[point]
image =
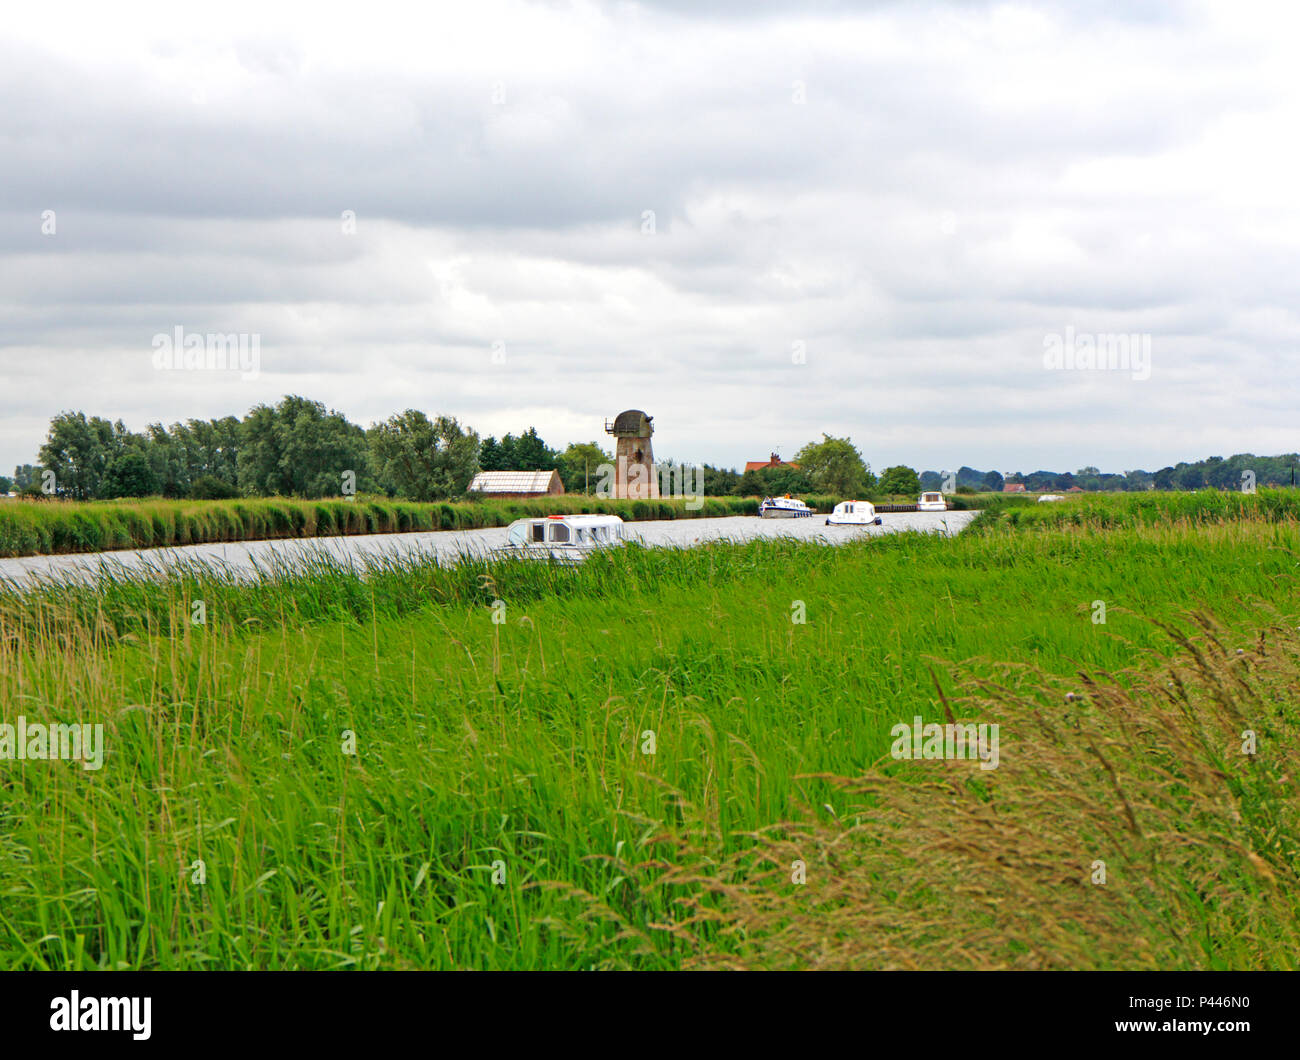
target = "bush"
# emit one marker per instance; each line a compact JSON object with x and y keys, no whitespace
{"x":211,"y":488}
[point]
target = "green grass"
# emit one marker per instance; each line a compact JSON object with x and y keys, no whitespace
{"x":1103,"y":511}
{"x":521,"y":743}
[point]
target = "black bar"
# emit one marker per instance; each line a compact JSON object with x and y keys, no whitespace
{"x":678,"y":1011}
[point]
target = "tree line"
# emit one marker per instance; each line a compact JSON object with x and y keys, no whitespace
{"x":1213,"y":472}
{"x":299,"y":448}
{"x":295,"y":448}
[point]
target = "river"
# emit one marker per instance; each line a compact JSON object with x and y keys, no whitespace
{"x":241,"y":557}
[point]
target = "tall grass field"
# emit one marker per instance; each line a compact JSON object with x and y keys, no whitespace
{"x":668,"y":759}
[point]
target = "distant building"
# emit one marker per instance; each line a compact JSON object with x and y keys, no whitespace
{"x":1075,"y":489}
{"x":634,"y":461}
{"x":763,"y":465}
{"x":1014,"y":487}
{"x":517,"y":483}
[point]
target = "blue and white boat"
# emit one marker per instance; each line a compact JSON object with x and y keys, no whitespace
{"x":786,"y":507}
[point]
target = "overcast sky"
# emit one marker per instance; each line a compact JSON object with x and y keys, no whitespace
{"x":665,"y":206}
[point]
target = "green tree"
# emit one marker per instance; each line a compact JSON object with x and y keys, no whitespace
{"x":421,"y":459}
{"x":533,"y":454}
{"x":204,"y":448}
{"x":720,"y":481}
{"x":129,"y":475}
{"x":774,"y":481}
{"x":835,"y":466}
{"x":26,"y":477}
{"x":1137,"y":480}
{"x":578,"y":466}
{"x":490,"y":455}
{"x":1189,"y":476}
{"x":298,"y":449}
{"x":993,"y":481}
{"x":211,"y":488}
{"x":167,"y":460}
{"x":78,"y":450}
{"x":899,"y":479}
{"x":259,"y":453}
{"x":6,"y":484}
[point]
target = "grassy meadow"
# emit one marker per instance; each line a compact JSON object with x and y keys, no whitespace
{"x":618,"y":765}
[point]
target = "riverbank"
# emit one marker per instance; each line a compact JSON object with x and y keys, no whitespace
{"x":245,"y":558}
{"x":57,"y":527}
{"x":53,"y":527}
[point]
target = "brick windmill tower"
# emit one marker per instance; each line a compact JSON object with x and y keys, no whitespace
{"x":634,"y":474}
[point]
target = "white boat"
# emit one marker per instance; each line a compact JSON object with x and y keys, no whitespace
{"x":931,"y":502}
{"x":564,"y":537}
{"x":786,"y":507}
{"x":1050,"y":497}
{"x":853,"y":513}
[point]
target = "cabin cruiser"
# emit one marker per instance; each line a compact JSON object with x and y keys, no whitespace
{"x":786,"y":507}
{"x":931,"y":502}
{"x":1050,"y":497}
{"x":562,"y":537}
{"x":853,"y":513}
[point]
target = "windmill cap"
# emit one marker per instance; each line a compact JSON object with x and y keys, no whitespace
{"x":633,"y":422}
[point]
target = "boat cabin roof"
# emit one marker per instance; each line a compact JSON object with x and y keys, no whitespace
{"x":584,"y":519}
{"x":578,"y":529}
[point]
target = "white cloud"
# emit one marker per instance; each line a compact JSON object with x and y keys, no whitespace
{"x":961,"y":181}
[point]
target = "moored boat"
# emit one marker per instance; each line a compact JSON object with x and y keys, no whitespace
{"x":931,"y":502}
{"x":786,"y":507}
{"x":565,"y":537}
{"x":853,"y":513}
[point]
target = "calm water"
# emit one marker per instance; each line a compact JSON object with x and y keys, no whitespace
{"x":450,"y":543}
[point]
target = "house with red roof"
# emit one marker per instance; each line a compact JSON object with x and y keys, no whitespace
{"x":763,"y":465}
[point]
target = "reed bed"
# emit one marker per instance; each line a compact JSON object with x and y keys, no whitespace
{"x":1104,"y":511}
{"x":52,"y":527}
{"x":43,"y":527}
